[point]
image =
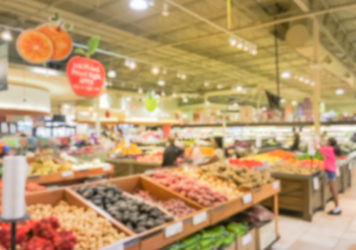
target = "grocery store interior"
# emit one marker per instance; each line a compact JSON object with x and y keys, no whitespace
{"x":177,"y":124}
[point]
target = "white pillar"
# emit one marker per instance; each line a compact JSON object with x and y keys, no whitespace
{"x":97,"y":121}
{"x":316,"y":77}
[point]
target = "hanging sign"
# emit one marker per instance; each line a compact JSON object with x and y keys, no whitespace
{"x":86,"y":76}
{"x":150,"y":102}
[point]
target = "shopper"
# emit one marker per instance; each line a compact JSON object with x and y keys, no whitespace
{"x":296,"y":140}
{"x":330,"y":150}
{"x":219,"y":154}
{"x":4,"y":151}
{"x":171,"y":153}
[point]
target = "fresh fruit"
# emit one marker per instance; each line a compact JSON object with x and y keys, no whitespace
{"x":136,"y":215}
{"x":62,"y":43}
{"x":34,"y":47}
{"x":122,"y":150}
{"x":47,"y":165}
{"x":91,"y":230}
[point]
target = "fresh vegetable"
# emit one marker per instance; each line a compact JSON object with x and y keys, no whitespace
{"x":135,"y":214}
{"x":92,"y":231}
{"x":191,"y":189}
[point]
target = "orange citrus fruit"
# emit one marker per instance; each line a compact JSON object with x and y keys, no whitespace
{"x":62,"y":43}
{"x":34,"y":47}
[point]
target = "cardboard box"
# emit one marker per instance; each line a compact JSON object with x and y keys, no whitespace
{"x":265,"y":235}
{"x":247,"y":242}
{"x":231,"y":247}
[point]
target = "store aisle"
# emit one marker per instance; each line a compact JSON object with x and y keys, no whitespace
{"x":324,"y":232}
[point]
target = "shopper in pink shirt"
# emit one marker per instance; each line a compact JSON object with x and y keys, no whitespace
{"x":330,"y":151}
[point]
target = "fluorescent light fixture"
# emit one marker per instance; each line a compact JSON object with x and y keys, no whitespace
{"x":339,"y":92}
{"x":220,"y":86}
{"x":185,"y":99}
{"x":165,"y":11}
{"x":301,"y":79}
{"x":111,"y":73}
{"x":294,"y":103}
{"x":161,"y":83}
{"x":235,"y":105}
{"x":240,"y":45}
{"x":254,"y":52}
{"x":239,"y":89}
{"x":155,"y":70}
{"x":283,"y":100}
{"x":306,"y":81}
{"x":206,"y":83}
{"x":232,"y":41}
{"x":139,"y":4}
{"x":151,"y":2}
{"x":174,"y":95}
{"x":132,"y":64}
{"x":44,"y":71}
{"x":183,"y":76}
{"x":6,"y":36}
{"x":285,"y":75}
{"x":312,"y":83}
{"x":128,"y":98}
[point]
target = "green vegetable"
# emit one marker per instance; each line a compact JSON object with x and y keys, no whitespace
{"x":191,"y":241}
{"x":230,"y":237}
{"x":239,"y":229}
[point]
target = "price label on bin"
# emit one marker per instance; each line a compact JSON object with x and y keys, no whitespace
{"x":67,"y":173}
{"x":275,"y":185}
{"x":173,"y":229}
{"x":115,"y":246}
{"x":246,"y":239}
{"x":316,"y":183}
{"x":247,"y":198}
{"x":199,"y":218}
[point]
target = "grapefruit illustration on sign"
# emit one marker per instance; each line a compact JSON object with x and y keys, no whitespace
{"x":86,"y":76}
{"x":62,"y":42}
{"x":35,"y":47}
{"x":150,"y":102}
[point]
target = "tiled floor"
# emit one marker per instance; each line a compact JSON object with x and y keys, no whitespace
{"x":324,"y":232}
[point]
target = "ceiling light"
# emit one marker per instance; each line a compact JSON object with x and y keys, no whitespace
{"x":140,"y":91}
{"x":207,"y":103}
{"x":165,"y":11}
{"x":155,"y":70}
{"x":185,"y":99}
{"x":312,"y":83}
{"x":151,"y":2}
{"x":285,"y":75}
{"x":283,"y":100}
{"x":240,"y":45}
{"x":235,"y":105}
{"x":161,"y":82}
{"x":239,"y":89}
{"x":306,"y":81}
{"x":294,"y":103}
{"x":127,"y":62}
{"x":220,"y":86}
{"x":254,"y":52}
{"x":6,"y":35}
{"x":264,"y":108}
{"x":139,"y":4}
{"x":128,"y":98}
{"x":301,"y":79}
{"x":232,"y":41}
{"x":339,"y":92}
{"x":206,"y":83}
{"x":132,"y":64}
{"x":174,"y":95}
{"x":111,"y":73}
{"x":183,"y":76}
{"x":246,"y":48}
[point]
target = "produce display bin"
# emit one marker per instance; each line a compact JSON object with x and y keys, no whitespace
{"x":157,"y":238}
{"x":265,"y":235}
{"x":125,"y":167}
{"x":247,"y":242}
{"x":303,"y":194}
{"x":53,"y":197}
{"x":71,"y":177}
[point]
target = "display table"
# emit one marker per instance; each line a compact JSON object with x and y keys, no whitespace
{"x":159,"y":237}
{"x":302,"y":194}
{"x":71,"y":177}
{"x":125,"y":167}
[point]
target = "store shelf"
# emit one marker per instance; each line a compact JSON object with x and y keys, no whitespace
{"x":71,"y":176}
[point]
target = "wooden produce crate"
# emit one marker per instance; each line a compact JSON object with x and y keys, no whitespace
{"x":53,"y":197}
{"x":170,"y":232}
{"x":71,"y":177}
{"x":125,"y":167}
{"x":346,"y":175}
{"x":303,"y":194}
